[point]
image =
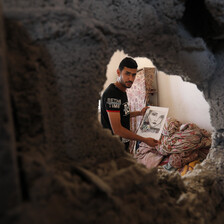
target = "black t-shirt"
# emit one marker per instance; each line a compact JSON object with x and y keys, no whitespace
{"x":113,"y":99}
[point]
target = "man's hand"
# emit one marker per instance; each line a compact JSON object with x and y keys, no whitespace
{"x":151,"y":142}
{"x":142,"y":112}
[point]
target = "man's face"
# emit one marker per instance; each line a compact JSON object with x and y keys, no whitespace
{"x":127,"y":76}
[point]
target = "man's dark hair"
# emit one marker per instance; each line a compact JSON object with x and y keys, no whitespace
{"x":128,"y":62}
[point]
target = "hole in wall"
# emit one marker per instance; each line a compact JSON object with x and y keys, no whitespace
{"x":185,"y":101}
{"x":86,"y":190}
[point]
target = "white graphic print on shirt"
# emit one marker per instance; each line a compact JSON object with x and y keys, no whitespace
{"x":116,"y":104}
{"x":126,"y":109}
{"x":113,"y":103}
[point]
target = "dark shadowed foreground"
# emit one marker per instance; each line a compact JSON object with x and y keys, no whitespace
{"x":57,"y":164}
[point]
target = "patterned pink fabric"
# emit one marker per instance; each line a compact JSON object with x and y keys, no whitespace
{"x":148,"y":156}
{"x":177,"y":138}
{"x":179,"y":160}
{"x":183,"y":143}
{"x":180,"y":143}
{"x":171,"y":126}
{"x":136,"y":98}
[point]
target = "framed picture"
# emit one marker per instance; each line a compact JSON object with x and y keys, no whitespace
{"x":153,"y":122}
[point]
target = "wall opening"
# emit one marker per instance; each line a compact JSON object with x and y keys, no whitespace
{"x":185,"y":101}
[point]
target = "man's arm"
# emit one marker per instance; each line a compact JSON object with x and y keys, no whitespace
{"x":135,"y":113}
{"x":118,"y":129}
{"x":138,"y":113}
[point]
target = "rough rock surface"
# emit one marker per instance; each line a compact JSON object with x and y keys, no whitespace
{"x":72,"y":171}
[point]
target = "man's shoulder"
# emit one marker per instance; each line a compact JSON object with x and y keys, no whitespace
{"x":111,"y":90}
{"x":110,"y":87}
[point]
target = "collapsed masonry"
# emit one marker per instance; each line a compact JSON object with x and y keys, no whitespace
{"x":58,"y":165}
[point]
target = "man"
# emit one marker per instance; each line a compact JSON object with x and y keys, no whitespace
{"x":115,"y":113}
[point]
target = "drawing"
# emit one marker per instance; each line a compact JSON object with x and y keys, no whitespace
{"x":153,"y":122}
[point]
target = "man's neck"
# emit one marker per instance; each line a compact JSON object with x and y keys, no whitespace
{"x":120,"y":86}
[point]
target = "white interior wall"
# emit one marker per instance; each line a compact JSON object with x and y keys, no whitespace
{"x":185,"y":102}
{"x":112,"y":68}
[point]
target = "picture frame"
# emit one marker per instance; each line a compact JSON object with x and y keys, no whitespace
{"x":153,"y":122}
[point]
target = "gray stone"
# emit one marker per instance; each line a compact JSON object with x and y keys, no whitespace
{"x":10,"y":193}
{"x":57,"y":53}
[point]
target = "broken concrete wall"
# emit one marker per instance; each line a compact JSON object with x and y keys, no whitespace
{"x":57,"y":52}
{"x":82,"y":36}
{"x":9,"y":185}
{"x":78,"y":72}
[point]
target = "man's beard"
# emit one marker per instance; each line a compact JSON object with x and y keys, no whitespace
{"x":127,"y":86}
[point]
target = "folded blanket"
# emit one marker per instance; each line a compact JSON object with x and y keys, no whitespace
{"x":177,"y":138}
{"x":179,"y":160}
{"x":148,"y":156}
{"x":181,"y":143}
